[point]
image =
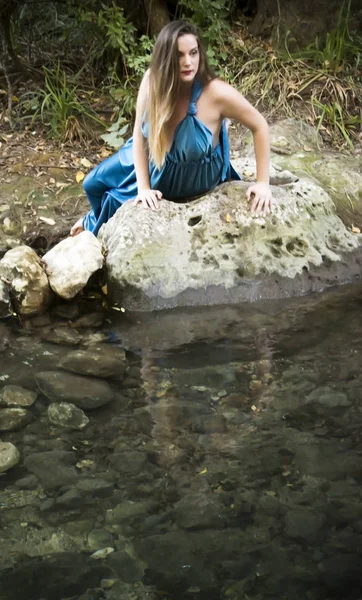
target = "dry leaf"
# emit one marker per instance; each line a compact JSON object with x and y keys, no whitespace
{"x":355,"y":229}
{"x":203,"y":472}
{"x":227,"y":218}
{"x":253,"y":407}
{"x":79,"y":176}
{"x":47,"y":221}
{"x":105,"y":289}
{"x":52,"y":180}
{"x":85,"y":163}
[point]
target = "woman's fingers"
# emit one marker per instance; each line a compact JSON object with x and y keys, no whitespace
{"x":149,"y":199}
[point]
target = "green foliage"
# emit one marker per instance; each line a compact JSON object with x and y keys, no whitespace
{"x":212,"y":17}
{"x":61,"y":106}
{"x":114,"y":136}
{"x":339,"y":49}
{"x":334,"y":116}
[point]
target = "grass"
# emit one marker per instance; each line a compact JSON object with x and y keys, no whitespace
{"x":323,"y":85}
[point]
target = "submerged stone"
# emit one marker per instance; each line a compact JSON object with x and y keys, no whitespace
{"x":14,"y":395}
{"x":9,"y":456}
{"x":62,"y":335}
{"x":85,"y":392}
{"x":12,"y":419}
{"x":102,"y":361}
{"x":65,"y":414}
{"x":54,"y":468}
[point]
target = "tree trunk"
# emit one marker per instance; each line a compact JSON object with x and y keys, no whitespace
{"x":157,"y":15}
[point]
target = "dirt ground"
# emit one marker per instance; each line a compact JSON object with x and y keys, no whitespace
{"x":41,"y":193}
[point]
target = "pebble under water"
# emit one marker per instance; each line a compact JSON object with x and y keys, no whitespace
{"x":211,"y":454}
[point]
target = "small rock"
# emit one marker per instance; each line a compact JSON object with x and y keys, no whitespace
{"x":199,"y":511}
{"x":54,"y":468}
{"x":328,"y":398}
{"x":303,"y":525}
{"x":67,"y":415}
{"x":70,"y":263}
{"x":27,"y":483}
{"x":94,"y":319}
{"x":21,"y":267}
{"x":70,"y":310}
{"x":107,"y":584}
{"x":14,"y":395}
{"x":62,"y":336}
{"x":41,"y":320}
{"x":99,"y":538}
{"x":13,"y":418}
{"x":85,"y":392}
{"x":100,"y":554}
{"x":127,"y":511}
{"x":9,"y":456}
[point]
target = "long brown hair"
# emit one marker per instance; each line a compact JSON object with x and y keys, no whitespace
{"x":164,"y":83}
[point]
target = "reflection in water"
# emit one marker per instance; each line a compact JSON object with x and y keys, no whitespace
{"x":227,"y":464}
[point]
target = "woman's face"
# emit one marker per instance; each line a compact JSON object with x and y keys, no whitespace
{"x":189,"y":56}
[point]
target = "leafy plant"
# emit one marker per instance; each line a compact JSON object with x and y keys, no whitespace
{"x":114,"y":136}
{"x":339,"y":48}
{"x":68,"y":116}
{"x":335,"y":117}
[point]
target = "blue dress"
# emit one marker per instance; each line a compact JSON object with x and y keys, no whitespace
{"x":192,"y":167}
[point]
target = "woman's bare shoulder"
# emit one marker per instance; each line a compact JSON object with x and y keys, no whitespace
{"x":217,"y":88}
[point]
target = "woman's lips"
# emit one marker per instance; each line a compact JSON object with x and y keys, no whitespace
{"x":187,"y":72}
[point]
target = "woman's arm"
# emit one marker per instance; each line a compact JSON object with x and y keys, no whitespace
{"x":233,"y":105}
{"x":146,"y":196}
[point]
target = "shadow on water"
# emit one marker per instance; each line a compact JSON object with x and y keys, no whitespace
{"x":221,"y":458}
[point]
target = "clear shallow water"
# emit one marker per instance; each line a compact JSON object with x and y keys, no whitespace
{"x":227,"y":466}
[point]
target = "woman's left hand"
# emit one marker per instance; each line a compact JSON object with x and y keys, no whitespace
{"x":260,"y":196}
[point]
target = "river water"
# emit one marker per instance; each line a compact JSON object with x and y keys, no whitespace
{"x":226,"y":466}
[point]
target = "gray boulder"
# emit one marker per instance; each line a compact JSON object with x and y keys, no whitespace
{"x":213,"y":251}
{"x":85,"y":392}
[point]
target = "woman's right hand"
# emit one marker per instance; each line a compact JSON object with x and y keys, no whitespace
{"x":148,"y":198}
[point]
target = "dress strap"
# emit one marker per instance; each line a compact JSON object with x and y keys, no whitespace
{"x":195,"y":95}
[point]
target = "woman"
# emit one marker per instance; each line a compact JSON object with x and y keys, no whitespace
{"x":179,"y":148}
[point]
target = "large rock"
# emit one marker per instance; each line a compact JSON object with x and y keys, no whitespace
{"x":85,"y":392}
{"x":70,"y":263}
{"x":213,"y":251}
{"x":102,"y":361}
{"x":21,"y":269}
